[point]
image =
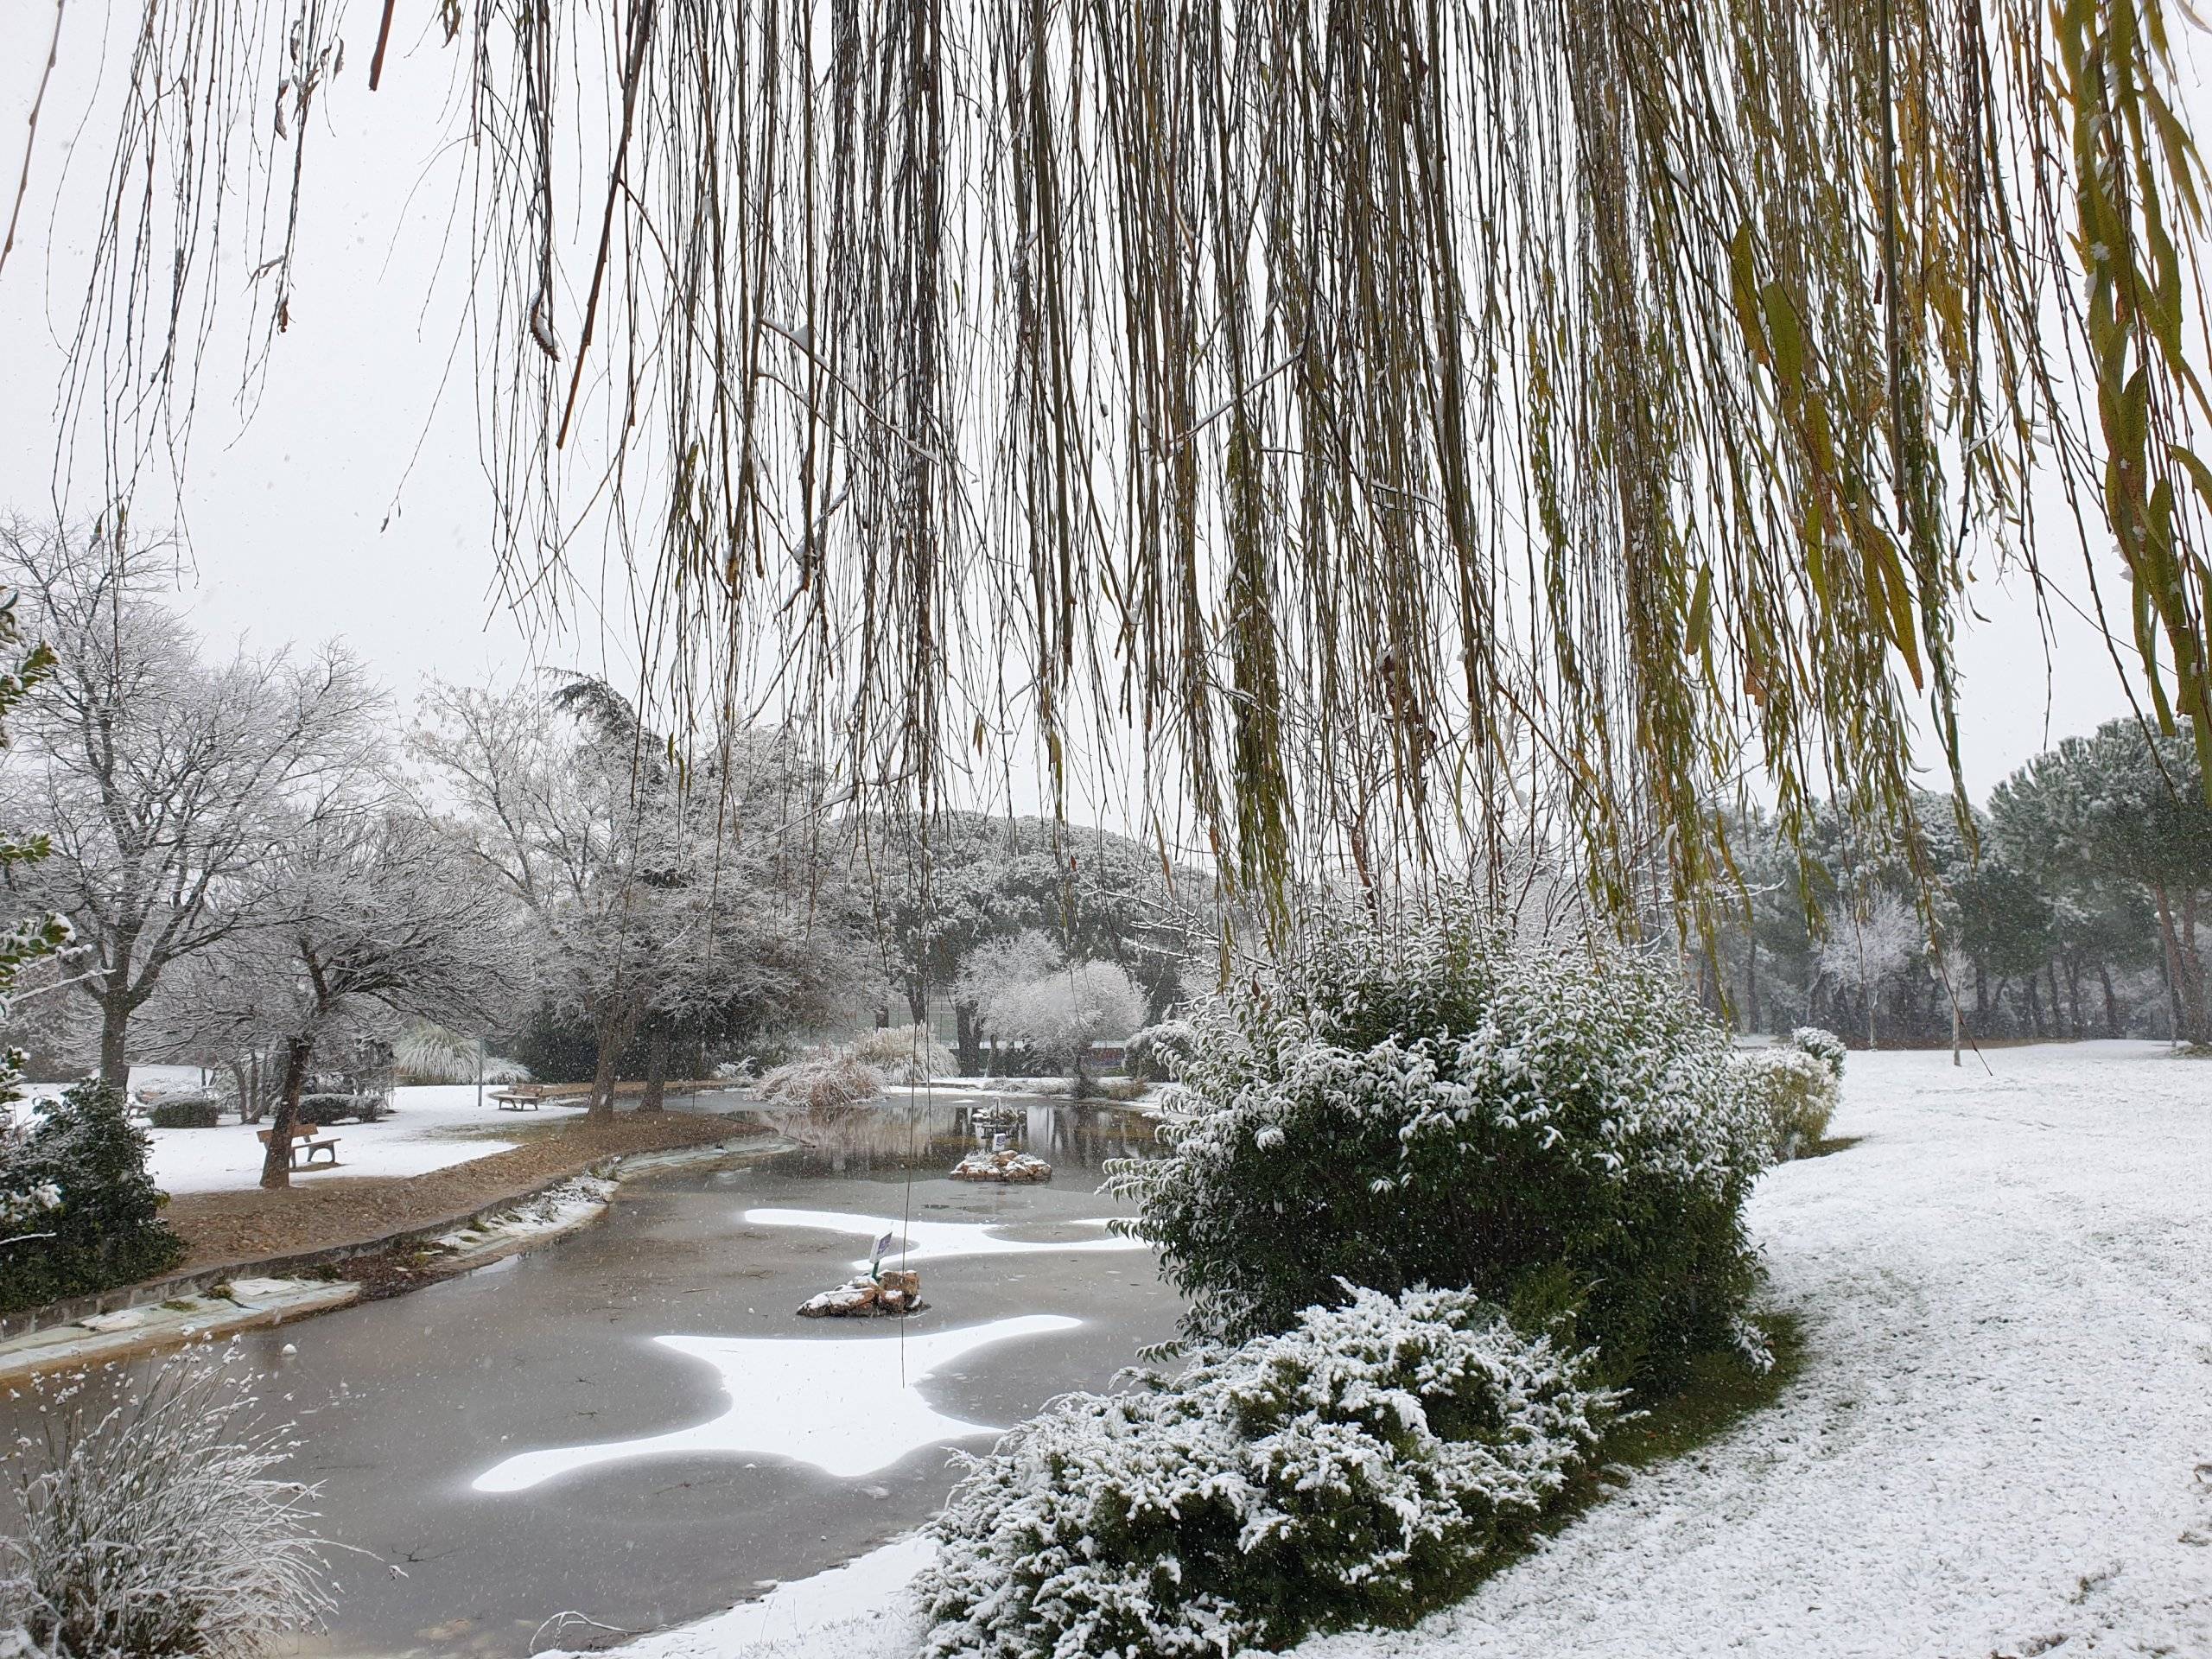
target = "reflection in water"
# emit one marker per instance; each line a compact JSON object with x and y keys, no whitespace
{"x":936,"y":1130}
{"x":934,"y":1240}
{"x":847,"y":1406}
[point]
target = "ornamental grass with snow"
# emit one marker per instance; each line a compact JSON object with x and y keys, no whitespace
{"x":1333,"y":1473}
{"x":1431,"y":1105}
{"x":151,"y":1526}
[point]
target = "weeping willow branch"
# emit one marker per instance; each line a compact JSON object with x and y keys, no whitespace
{"x":1359,"y":420}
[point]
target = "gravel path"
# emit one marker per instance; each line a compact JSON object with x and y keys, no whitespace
{"x":318,"y":1211}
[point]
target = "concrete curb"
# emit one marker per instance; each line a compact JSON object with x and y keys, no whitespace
{"x":255,"y":1304}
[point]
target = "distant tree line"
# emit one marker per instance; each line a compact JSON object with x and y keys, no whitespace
{"x":2070,"y":907}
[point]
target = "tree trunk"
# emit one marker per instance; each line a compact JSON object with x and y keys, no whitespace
{"x":242,"y":1079}
{"x":601,"y":1110}
{"x":115,"y":1033}
{"x":1752,"y":983}
{"x":968,"y":1040}
{"x":2058,"y":1010}
{"x":277,"y":1158}
{"x":2035,"y":1007}
{"x":656,"y":1047}
{"x":2112,"y":1002}
{"x":2187,"y":988}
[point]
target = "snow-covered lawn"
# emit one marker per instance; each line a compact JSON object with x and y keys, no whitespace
{"x":2000,"y":1443}
{"x":417,"y":1138}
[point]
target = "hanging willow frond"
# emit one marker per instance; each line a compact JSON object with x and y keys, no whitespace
{"x":1359,"y":419}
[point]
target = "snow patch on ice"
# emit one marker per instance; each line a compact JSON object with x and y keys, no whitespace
{"x":848,"y":1406}
{"x":934,"y":1241}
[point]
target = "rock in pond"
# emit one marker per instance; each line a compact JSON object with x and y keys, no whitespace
{"x":887,"y":1296}
{"x":1003,"y":1165}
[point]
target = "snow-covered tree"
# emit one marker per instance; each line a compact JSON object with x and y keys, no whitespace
{"x":661,"y":901}
{"x":162,"y":780}
{"x":373,"y":913}
{"x":1869,"y":946}
{"x":2126,"y":809}
{"x":1062,"y":1008}
{"x":954,"y":888}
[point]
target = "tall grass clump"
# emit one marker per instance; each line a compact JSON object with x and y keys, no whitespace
{"x":822,"y":1082}
{"x":1796,"y":1085}
{"x":151,"y":1526}
{"x":906,"y":1054}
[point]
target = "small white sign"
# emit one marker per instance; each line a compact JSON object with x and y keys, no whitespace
{"x":883,"y":1246}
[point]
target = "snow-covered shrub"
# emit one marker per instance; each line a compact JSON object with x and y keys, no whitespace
{"x":1823,"y":1045}
{"x":1157,"y":1051}
{"x":154,"y":1529}
{"x":1334,"y":1473}
{"x":1796,"y":1093}
{"x":822,"y":1082}
{"x":319,"y":1111}
{"x":194,"y":1111}
{"x":1438,"y":1107}
{"x":906,"y":1054}
{"x":105,"y":1228}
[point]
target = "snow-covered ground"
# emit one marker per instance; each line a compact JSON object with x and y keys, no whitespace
{"x":414,"y":1139}
{"x":2000,"y":1444}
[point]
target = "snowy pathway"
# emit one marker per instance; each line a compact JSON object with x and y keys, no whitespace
{"x":2000,"y":1444}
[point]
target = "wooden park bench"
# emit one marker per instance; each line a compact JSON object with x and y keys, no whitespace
{"x":303,"y":1149}
{"x":529,"y":1097}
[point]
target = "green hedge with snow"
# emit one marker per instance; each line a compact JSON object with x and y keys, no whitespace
{"x":1327,"y":1475}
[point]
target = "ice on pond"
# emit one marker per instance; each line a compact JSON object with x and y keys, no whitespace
{"x":847,"y":1406}
{"x":932,"y":1241}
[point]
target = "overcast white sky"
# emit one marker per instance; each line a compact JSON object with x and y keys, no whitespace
{"x":352,"y":503}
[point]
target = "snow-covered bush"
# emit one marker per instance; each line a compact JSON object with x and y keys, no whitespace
{"x":192,"y":1112}
{"x":906,"y":1054}
{"x":320,"y":1110}
{"x":1334,"y":1473}
{"x":1438,"y":1107}
{"x":103,"y":1228}
{"x":1794,"y":1092}
{"x":822,"y":1082}
{"x":154,"y":1529}
{"x":1823,"y":1045}
{"x":1156,"y":1053}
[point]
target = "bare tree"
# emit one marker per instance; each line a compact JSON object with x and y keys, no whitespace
{"x":163,"y":779}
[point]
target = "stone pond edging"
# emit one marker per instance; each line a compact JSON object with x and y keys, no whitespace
{"x":303,"y":1293}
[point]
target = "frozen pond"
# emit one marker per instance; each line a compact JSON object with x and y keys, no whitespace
{"x":632,"y":1424}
